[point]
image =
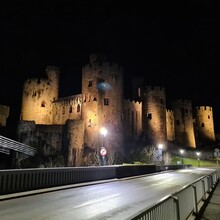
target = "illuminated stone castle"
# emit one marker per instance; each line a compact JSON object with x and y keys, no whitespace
{"x":71,"y":125}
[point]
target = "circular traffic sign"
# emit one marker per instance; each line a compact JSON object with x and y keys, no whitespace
{"x":103,"y":151}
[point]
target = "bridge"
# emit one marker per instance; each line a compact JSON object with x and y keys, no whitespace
{"x":109,"y":192}
{"x":7,"y":144}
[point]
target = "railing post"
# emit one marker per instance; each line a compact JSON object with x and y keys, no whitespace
{"x":195,"y":196}
{"x":204,"y":192}
{"x":176,"y":201}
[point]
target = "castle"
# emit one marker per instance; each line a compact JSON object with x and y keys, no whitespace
{"x":71,"y":125}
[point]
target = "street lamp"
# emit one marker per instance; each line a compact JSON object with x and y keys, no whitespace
{"x":182,"y":152}
{"x":198,"y":155}
{"x":160,"y":146}
{"x":103,"y":150}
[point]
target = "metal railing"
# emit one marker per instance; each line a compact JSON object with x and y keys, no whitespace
{"x":6,"y":143}
{"x":182,"y":204}
{"x":20,"y":180}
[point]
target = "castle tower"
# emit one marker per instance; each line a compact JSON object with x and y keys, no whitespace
{"x":205,"y":124}
{"x":184,"y":130}
{"x":170,"y":125}
{"x":154,"y":115}
{"x":38,"y":95}
{"x":137,"y":84}
{"x":132,"y":120}
{"x":102,"y":103}
{"x":73,"y":142}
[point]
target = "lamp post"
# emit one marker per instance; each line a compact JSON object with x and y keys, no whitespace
{"x":182,"y":152}
{"x":216,"y":154}
{"x":198,"y":155}
{"x":160,"y":147}
{"x":103,"y":150}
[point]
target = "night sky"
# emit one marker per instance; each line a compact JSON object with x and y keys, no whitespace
{"x":175,"y":44}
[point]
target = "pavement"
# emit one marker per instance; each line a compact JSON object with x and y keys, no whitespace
{"x":211,"y":207}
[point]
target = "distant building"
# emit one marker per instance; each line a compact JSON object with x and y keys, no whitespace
{"x":70,"y":125}
{"x":4,"y":113}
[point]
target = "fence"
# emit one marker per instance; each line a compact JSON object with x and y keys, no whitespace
{"x":181,"y":204}
{"x":19,"y":180}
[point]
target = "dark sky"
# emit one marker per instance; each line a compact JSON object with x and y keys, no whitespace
{"x":174,"y":44}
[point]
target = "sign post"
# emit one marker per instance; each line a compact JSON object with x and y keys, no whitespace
{"x":103,"y":153}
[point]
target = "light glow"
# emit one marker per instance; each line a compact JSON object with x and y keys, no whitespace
{"x":103,"y":131}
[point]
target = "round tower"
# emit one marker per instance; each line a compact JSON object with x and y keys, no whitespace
{"x":73,"y":142}
{"x":205,"y":124}
{"x":102,"y":103}
{"x":38,"y":95}
{"x":184,"y":130}
{"x":154,"y":114}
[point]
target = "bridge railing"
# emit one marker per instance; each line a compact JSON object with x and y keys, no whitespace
{"x":182,"y":204}
{"x":20,"y":180}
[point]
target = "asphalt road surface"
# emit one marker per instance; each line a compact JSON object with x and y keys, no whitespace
{"x":115,"y":200}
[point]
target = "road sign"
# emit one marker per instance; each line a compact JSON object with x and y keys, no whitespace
{"x":103,"y":151}
{"x":157,"y":155}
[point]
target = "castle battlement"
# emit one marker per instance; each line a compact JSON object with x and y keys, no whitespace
{"x":133,"y":102}
{"x":52,"y":69}
{"x":104,"y":66}
{"x":204,"y":108}
{"x":169,"y":111}
{"x":74,"y":99}
{"x":37,"y":81}
{"x":154,"y":90}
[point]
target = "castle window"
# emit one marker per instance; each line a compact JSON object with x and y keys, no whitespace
{"x":149,"y":116}
{"x":208,"y":116}
{"x":95,"y":99}
{"x":106,"y":101}
{"x":177,"y":122}
{"x":203,"y":125}
{"x":78,"y":108}
{"x":70,"y":109}
{"x":90,"y":123}
{"x":34,"y":94}
{"x":63,"y":110}
{"x":43,"y":104}
{"x":90,"y":83}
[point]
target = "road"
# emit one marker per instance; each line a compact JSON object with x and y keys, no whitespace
{"x":115,"y":200}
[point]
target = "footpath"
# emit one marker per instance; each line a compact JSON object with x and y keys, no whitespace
{"x":211,"y":208}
